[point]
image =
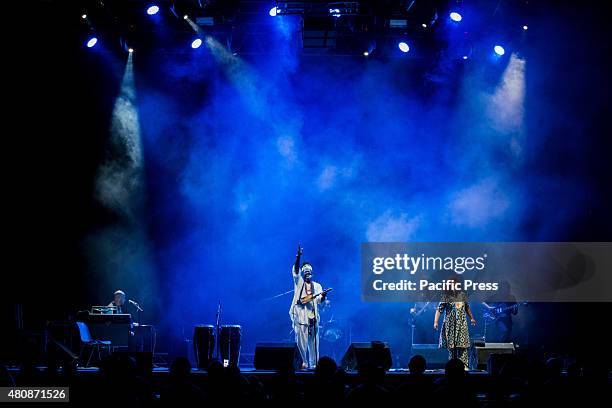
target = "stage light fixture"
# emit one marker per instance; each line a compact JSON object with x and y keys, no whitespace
{"x":273,"y":12}
{"x":403,"y":46}
{"x":196,"y":43}
{"x":424,"y":25}
{"x":91,"y":42}
{"x":152,"y":10}
{"x":366,"y":53}
{"x":185,"y":17}
{"x":499,"y":50}
{"x":84,"y":16}
{"x":130,"y":50}
{"x":525,"y":27}
{"x":456,"y":17}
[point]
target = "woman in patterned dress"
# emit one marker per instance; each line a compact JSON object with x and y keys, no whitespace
{"x":455,"y":334}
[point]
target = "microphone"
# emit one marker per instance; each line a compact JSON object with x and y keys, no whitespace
{"x":136,"y":305}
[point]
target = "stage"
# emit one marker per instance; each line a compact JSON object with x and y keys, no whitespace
{"x":261,"y":183}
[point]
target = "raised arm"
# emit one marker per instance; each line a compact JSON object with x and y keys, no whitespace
{"x":296,"y":265}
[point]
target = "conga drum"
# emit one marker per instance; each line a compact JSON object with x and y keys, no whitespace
{"x":203,"y":344}
{"x":229,"y":344}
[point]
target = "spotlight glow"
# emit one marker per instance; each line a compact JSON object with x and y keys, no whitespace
{"x":366,"y":53}
{"x":525,"y":27}
{"x":499,"y":50}
{"x":84,"y":16}
{"x":455,"y":16}
{"x":185,"y":17}
{"x":196,"y":43}
{"x":130,"y":50}
{"x":152,"y":10}
{"x":92,"y":42}
{"x":273,"y":12}
{"x":424,"y":25}
{"x":403,"y":47}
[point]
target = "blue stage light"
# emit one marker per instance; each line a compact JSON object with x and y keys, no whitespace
{"x":273,"y":12}
{"x":196,"y":43}
{"x":92,"y":42}
{"x":455,"y":16}
{"x":403,"y":47}
{"x":152,"y":10}
{"x":499,"y":50}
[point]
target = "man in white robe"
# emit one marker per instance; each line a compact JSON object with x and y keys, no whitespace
{"x":305,"y":316}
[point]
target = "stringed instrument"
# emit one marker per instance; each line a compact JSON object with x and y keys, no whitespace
{"x":494,"y":313}
{"x":309,"y":298}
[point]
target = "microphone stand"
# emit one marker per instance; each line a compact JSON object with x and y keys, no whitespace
{"x":139,"y":312}
{"x":140,"y":335}
{"x":218,"y":339}
{"x":138,"y":308}
{"x":456,"y":317}
{"x":316,"y":328}
{"x":412,"y":327}
{"x":316,"y":335}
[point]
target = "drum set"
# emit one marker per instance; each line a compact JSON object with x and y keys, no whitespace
{"x":335,"y":337}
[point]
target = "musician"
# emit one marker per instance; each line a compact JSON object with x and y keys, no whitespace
{"x":420,"y":323}
{"x":501,"y":312}
{"x":454,"y":334}
{"x":305,"y":315}
{"x":118,"y":300}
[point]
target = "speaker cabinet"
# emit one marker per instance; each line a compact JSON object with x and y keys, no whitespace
{"x":435,"y":356}
{"x":375,"y":352}
{"x":487,"y":356}
{"x":277,"y":356}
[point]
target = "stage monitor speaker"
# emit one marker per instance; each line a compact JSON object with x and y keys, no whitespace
{"x":375,"y":352}
{"x":483,"y":355}
{"x":434,"y":355}
{"x":277,"y":356}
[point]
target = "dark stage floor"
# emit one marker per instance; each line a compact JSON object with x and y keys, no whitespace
{"x":479,"y":379}
{"x":162,"y":371}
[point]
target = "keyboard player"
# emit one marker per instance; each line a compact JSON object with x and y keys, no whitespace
{"x":118,"y":301}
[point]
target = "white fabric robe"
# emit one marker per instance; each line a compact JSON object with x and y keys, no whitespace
{"x":308,"y":343}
